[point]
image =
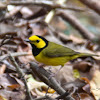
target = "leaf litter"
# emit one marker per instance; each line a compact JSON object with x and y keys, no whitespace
{"x":22,"y":22}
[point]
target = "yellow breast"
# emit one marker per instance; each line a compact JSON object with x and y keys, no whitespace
{"x":51,"y":61}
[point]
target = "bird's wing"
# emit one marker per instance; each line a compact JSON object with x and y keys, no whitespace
{"x":56,"y":50}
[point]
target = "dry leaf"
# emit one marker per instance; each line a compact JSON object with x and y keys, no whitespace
{"x":2,"y":69}
{"x":14,"y":86}
{"x":95,"y":85}
{"x":2,"y":98}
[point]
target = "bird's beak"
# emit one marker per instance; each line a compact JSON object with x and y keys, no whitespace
{"x":27,"y":40}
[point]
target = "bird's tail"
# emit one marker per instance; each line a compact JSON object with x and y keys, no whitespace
{"x":86,"y":54}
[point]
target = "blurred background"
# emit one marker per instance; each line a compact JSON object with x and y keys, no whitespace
{"x":72,"y":23}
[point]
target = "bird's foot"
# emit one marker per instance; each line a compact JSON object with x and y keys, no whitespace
{"x":41,"y":65}
{"x":52,"y":75}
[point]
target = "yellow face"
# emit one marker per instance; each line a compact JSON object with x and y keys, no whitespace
{"x":37,"y":41}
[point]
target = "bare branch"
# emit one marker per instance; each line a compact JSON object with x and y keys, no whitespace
{"x":21,"y":75}
{"x":45,"y":97}
{"x":93,"y":4}
{"x":2,"y":35}
{"x":76,"y":24}
{"x":14,"y":55}
{"x":9,"y":66}
{"x":49,"y":4}
{"x":51,"y":80}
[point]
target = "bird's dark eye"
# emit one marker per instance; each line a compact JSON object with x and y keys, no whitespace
{"x":37,"y":41}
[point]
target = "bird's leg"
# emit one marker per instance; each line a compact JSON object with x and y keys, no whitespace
{"x":58,"y":70}
{"x":41,"y":65}
{"x":50,"y":71}
{"x":54,"y":74}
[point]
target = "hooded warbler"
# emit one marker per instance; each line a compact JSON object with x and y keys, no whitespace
{"x":50,"y":53}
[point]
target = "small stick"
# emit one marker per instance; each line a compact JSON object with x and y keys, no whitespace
{"x":45,"y":97}
{"x":49,"y":4}
{"x":76,"y":24}
{"x":51,"y":80}
{"x":14,"y":55}
{"x":21,"y":74}
{"x":93,"y":4}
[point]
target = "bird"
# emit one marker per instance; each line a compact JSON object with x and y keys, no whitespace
{"x":50,"y":53}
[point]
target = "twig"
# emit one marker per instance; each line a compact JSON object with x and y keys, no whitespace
{"x":3,"y":34}
{"x":14,"y":55}
{"x":69,"y":7}
{"x":76,"y":24}
{"x":16,"y":66}
{"x":4,"y":41}
{"x":9,"y":66}
{"x":40,"y":76}
{"x":51,"y":14}
{"x":49,"y":4}
{"x":36,"y":2}
{"x":62,"y":96}
{"x":51,"y":80}
{"x":45,"y":97}
{"x":21,"y":74}
{"x":93,"y":4}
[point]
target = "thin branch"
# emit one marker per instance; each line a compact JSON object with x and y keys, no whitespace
{"x":35,"y":2}
{"x":9,"y":66}
{"x":51,"y":14}
{"x":76,"y":24}
{"x":51,"y":80}
{"x":2,"y":35}
{"x":5,"y":40}
{"x":21,"y":74}
{"x":93,"y":4}
{"x":14,"y":55}
{"x":64,"y":95}
{"x":45,"y":97}
{"x":40,"y":76}
{"x":49,"y":4}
